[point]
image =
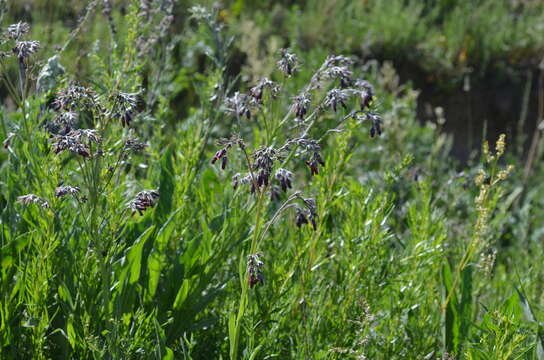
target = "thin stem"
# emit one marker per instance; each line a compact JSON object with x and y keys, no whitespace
{"x":250,"y":168}
{"x":287,"y":204}
{"x":258,"y":218}
{"x":22,"y":75}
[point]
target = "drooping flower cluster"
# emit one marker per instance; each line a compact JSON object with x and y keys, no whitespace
{"x":336,"y":97}
{"x":255,"y":270}
{"x":74,"y":98}
{"x":307,"y":213}
{"x":76,"y":141}
{"x":336,"y":81}
{"x":239,"y":104}
{"x":123,"y":108}
{"x":63,"y":122}
{"x":301,"y":103}
{"x":33,"y":199}
{"x":288,"y":62}
{"x":263,"y":163}
{"x":222,"y":155}
{"x":69,"y":103}
{"x":366,"y":93}
{"x":314,"y":162}
{"x":144,"y":200}
{"x":376,"y":127}
{"x":62,"y":191}
{"x":284,"y":177}
{"x":17,"y":31}
{"x":308,"y":148}
{"x":257,"y":91}
{"x":336,"y":67}
{"x":24,"y":49}
{"x":134,"y":145}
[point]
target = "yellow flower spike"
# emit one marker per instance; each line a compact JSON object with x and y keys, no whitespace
{"x":500,"y":145}
{"x":480,"y":178}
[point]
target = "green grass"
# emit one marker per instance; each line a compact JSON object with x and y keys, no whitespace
{"x":411,"y":257}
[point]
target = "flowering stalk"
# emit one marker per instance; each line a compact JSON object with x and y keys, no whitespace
{"x":488,"y":194}
{"x":266,"y":166}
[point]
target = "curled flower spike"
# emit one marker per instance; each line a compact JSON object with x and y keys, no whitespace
{"x":366,"y":93}
{"x":124,"y":107}
{"x":288,"y":62}
{"x":16,"y":31}
{"x":239,"y":104}
{"x":301,"y":103}
{"x":256,"y":92}
{"x":376,"y":124}
{"x":143,"y":200}
{"x":62,"y":191}
{"x":33,"y":199}
{"x":264,"y":160}
{"x":221,"y":155}
{"x":314,"y":163}
{"x":255,"y":270}
{"x":284,"y":177}
{"x":24,"y":49}
{"x":300,"y":218}
{"x":335,"y":97}
{"x":134,"y":145}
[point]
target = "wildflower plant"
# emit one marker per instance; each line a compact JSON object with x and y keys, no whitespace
{"x":83,"y":135}
{"x":265,"y":164}
{"x":479,"y":250}
{"x":269,"y":167}
{"x":13,"y":37}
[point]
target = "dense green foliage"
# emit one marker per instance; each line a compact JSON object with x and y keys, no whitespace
{"x":121,"y":240}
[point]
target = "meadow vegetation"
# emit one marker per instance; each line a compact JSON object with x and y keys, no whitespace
{"x":184,"y":181}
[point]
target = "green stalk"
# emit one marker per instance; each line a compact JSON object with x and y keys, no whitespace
{"x":244,"y":299}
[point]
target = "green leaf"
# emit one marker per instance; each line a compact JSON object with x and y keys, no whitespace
{"x":451,"y":317}
{"x":530,"y":316}
{"x":133,"y":263}
{"x":166,"y":188}
{"x":232,"y":333}
{"x":71,"y":332}
{"x":169,"y":354}
{"x":465,"y":307}
{"x":157,"y":256}
{"x":182,"y":294}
